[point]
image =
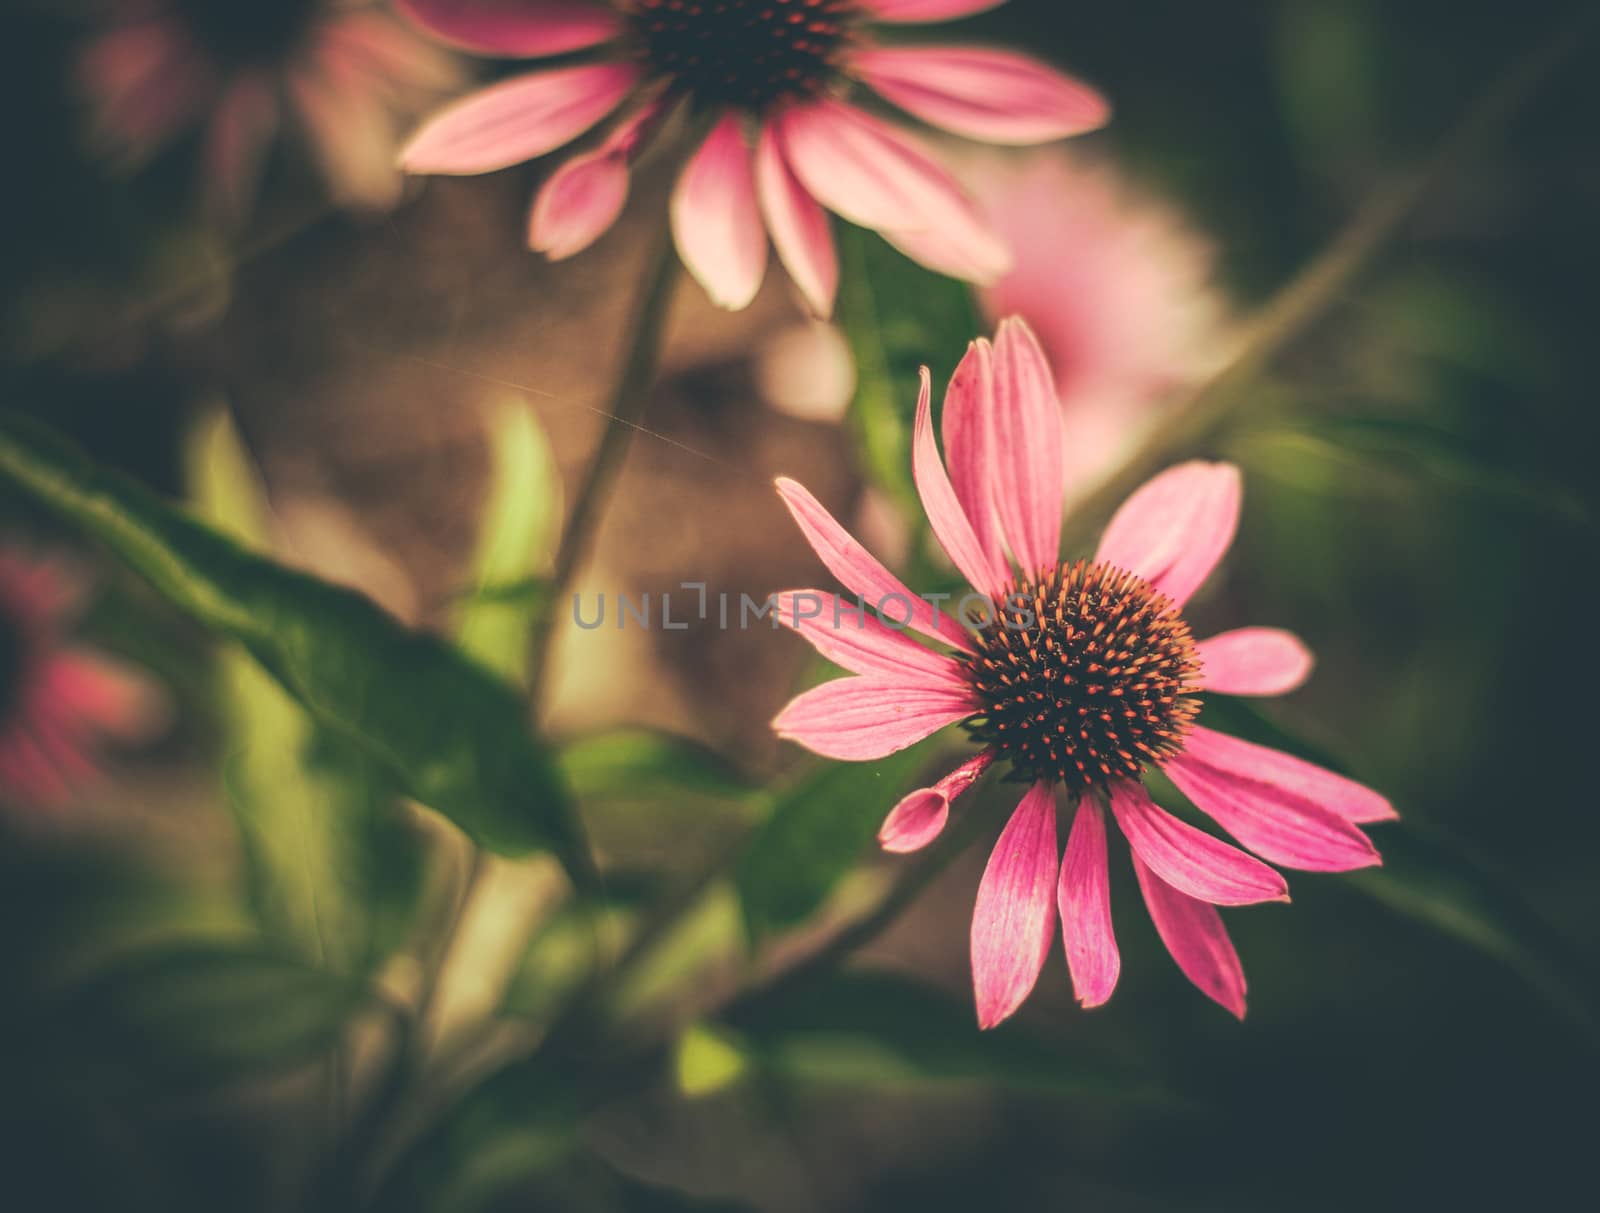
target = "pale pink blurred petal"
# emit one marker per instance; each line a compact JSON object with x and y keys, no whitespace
{"x":113,"y":697}
{"x":518,"y":120}
{"x":1191,"y":860}
{"x":1196,"y":938}
{"x":352,"y":135}
{"x":861,"y":643}
{"x":920,"y":817}
{"x":144,"y":81}
{"x":1084,"y":899}
{"x":1176,"y":527}
{"x":800,"y":229}
{"x":398,"y":60}
{"x":242,"y":126}
{"x":1254,"y":661}
{"x":1014,"y":917}
{"x":924,"y":10}
{"x":856,"y":719}
{"x":1029,"y":480}
{"x":969,"y":442}
{"x":1296,"y":777}
{"x":585,"y":196}
{"x":995,"y":96}
{"x":862,"y":574}
{"x":948,"y":252}
{"x":984,"y":570}
{"x":516,"y":29}
{"x":716,"y":221}
{"x":1277,"y":825}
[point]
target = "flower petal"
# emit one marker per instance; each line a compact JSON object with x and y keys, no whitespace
{"x":920,"y":817}
{"x":1029,"y":483}
{"x":924,"y":10}
{"x":1191,"y":860}
{"x":799,"y":226}
{"x":716,"y":221}
{"x":1014,"y":917}
{"x":516,"y":29}
{"x":984,"y":570}
{"x":968,"y":428}
{"x":585,"y":196}
{"x":114,"y":698}
{"x":243,"y":122}
{"x":1277,"y":825}
{"x":862,"y":718}
{"x":862,"y":573}
{"x":861,"y":643}
{"x":993,"y":95}
{"x":517,"y":119}
{"x":1254,"y":661}
{"x":1175,"y":528}
{"x":1346,"y":798}
{"x":1196,"y":938}
{"x":1084,"y":898}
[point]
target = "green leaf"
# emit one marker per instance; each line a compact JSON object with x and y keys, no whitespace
{"x":449,"y":733}
{"x":815,"y":834}
{"x":637,"y":764}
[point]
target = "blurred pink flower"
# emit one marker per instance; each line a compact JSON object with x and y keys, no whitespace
{"x":1117,"y":287}
{"x":58,"y":703}
{"x":771,"y":72}
{"x":1082,"y":675}
{"x":348,"y":74}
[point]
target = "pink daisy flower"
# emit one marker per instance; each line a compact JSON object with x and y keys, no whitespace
{"x":346,"y":73}
{"x":57,"y":703}
{"x":784,"y":145}
{"x":1083,"y":677}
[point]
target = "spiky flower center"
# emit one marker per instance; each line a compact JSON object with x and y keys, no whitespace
{"x":743,"y":53}
{"x":1086,"y":675}
{"x":246,"y":35}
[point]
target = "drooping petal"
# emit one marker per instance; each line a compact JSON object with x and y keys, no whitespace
{"x":518,"y":119}
{"x":949,"y":253}
{"x":861,"y":643}
{"x":1254,"y":661}
{"x":1014,"y":917}
{"x":1084,"y":898}
{"x":516,"y":29}
{"x":242,"y":125}
{"x":716,"y":221}
{"x":993,"y":95}
{"x":984,"y":570}
{"x":1030,"y":483}
{"x":876,"y":176}
{"x":584,"y":197}
{"x":862,"y":718}
{"x":1175,"y":528}
{"x":969,"y":443}
{"x":863,"y":574}
{"x":925,"y":10}
{"x":1196,"y":938}
{"x":1191,"y":860}
{"x":1344,"y":797}
{"x":920,"y":817}
{"x":1277,"y":825}
{"x":800,"y":229}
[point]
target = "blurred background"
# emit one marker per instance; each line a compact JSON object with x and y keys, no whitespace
{"x":348,"y":375}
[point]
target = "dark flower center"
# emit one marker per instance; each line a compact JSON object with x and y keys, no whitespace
{"x":743,"y":53}
{"x":1086,"y":676}
{"x":243,"y":33}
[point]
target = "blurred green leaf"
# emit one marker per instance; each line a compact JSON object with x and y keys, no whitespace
{"x":636,"y":764}
{"x":452,"y":736}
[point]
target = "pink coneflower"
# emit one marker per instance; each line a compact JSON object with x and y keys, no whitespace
{"x":57,"y":703}
{"x":1084,"y":677}
{"x":769,"y":77}
{"x":347,"y":74}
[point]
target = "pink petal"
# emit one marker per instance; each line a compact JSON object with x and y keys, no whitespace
{"x":862,"y":718}
{"x":242,"y":126}
{"x":876,"y":176}
{"x":1084,"y":897}
{"x":863,"y":644}
{"x":1191,"y":860}
{"x":1194,"y":934}
{"x":113,"y":697}
{"x":800,"y":229}
{"x":716,"y":220}
{"x":920,"y":817}
{"x":984,"y":570}
{"x":1028,"y":477}
{"x":993,"y":95}
{"x":1275,"y":824}
{"x":1254,"y":661}
{"x":967,"y":425}
{"x":924,"y":10}
{"x":518,"y":119}
{"x":1343,"y":797}
{"x":861,"y":572}
{"x":1175,"y":528}
{"x":950,"y":253}
{"x":515,"y":28}
{"x":1015,"y":914}
{"x":584,"y":197}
